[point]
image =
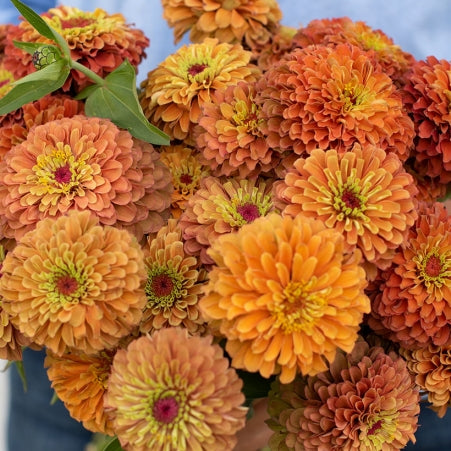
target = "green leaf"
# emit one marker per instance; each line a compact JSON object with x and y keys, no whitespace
{"x":29,"y":47}
{"x":112,"y":445}
{"x":117,"y":100}
{"x":34,"y":86}
{"x":41,"y":26}
{"x":21,"y":370}
{"x":86,"y":92}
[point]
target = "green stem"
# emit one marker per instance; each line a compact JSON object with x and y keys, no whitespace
{"x":88,"y":72}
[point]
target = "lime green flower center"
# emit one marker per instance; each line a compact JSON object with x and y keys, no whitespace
{"x":372,"y":41}
{"x":247,"y":118}
{"x":299,"y":306}
{"x":60,"y":172}
{"x":65,"y":284}
{"x":165,"y":285}
{"x":380,"y":430}
{"x":433,"y":267}
{"x":355,"y":96}
{"x":186,"y":175}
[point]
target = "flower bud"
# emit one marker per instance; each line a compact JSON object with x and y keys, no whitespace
{"x":45,"y":55}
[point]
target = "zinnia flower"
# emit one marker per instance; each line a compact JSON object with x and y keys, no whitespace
{"x":174,"y":92}
{"x":80,"y":381}
{"x":16,"y":125}
{"x":285,"y":294}
{"x":98,"y":40}
{"x":83,"y":163}
{"x":186,"y":170}
{"x":229,"y":134}
{"x":173,"y":284}
{"x":414,"y":307}
{"x":172,"y":391}
{"x":221,"y":206}
{"x":431,"y":369}
{"x":332,"y":97}
{"x":365,"y":194}
{"x":379,"y":47}
{"x":366,"y":401}
{"x":249,"y":22}
{"x":427,"y":97}
{"x":73,"y":284}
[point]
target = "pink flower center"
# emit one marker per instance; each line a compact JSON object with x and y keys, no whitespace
{"x":63,"y":174}
{"x":162,"y":285}
{"x":186,"y":179}
{"x":76,"y":22}
{"x":165,"y":410}
{"x":433,"y":266}
{"x":350,"y":199}
{"x":375,"y":427}
{"x":248,"y":211}
{"x":66,"y":285}
{"x":196,"y":69}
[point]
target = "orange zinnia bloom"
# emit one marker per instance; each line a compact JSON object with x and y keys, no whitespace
{"x":72,"y":284}
{"x":366,"y":401}
{"x":285,"y":295}
{"x":172,"y":391}
{"x":174,"y":92}
{"x":364,"y":193}
{"x":332,"y":97}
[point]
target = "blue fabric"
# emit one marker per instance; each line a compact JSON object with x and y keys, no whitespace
{"x":34,"y":424}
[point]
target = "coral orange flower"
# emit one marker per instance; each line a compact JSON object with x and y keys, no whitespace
{"x":247,"y":22}
{"x":427,"y":96}
{"x":285,"y":295}
{"x":221,"y":206}
{"x":332,"y":97}
{"x":80,"y":381}
{"x":414,"y":308}
{"x":186,"y":170}
{"x":83,"y":163}
{"x":431,"y":369}
{"x":72,"y":284}
{"x":366,"y":400}
{"x":229,"y":134}
{"x":364,"y":193}
{"x":174,"y":283}
{"x":174,"y":391}
{"x":98,"y":40}
{"x":174,"y":92}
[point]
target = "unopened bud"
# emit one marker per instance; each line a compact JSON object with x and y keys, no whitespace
{"x":45,"y":55}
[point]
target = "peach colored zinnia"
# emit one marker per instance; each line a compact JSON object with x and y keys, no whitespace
{"x":285,"y":295}
{"x":366,"y":401}
{"x":229,"y":134}
{"x":221,"y":206}
{"x":246,"y":22}
{"x":80,"y":381}
{"x":332,"y":97}
{"x":73,"y":284}
{"x":174,"y":283}
{"x":83,"y":163}
{"x":174,"y":92}
{"x":364,"y":193}
{"x":414,"y":307}
{"x":98,"y":40}
{"x":175,"y":391}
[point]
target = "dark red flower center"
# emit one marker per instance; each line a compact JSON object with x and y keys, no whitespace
{"x":196,"y":69}
{"x":63,"y":174}
{"x":248,"y":211}
{"x":433,"y":266}
{"x":186,"y":179}
{"x":165,"y":410}
{"x":162,"y":285}
{"x":76,"y":22}
{"x":66,"y":285}
{"x":375,"y":427}
{"x":350,"y":199}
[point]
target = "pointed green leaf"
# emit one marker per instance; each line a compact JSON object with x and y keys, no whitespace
{"x":112,"y":445}
{"x":86,"y":92}
{"x":34,"y":86}
{"x":29,"y":47}
{"x":117,"y":100}
{"x":41,"y":26}
{"x":21,"y":370}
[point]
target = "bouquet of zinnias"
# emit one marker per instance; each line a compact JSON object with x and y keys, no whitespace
{"x":260,"y":219}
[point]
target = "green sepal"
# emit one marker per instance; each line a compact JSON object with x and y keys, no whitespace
{"x":117,"y":100}
{"x":21,"y":370}
{"x":30,"y":47}
{"x":34,"y":86}
{"x":41,"y":26}
{"x":112,"y":445}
